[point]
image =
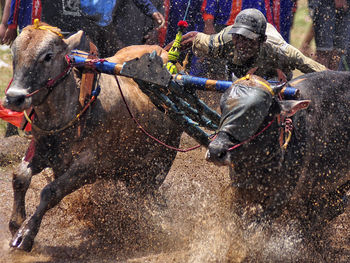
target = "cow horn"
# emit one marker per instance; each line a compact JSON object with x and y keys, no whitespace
{"x":277,"y":89}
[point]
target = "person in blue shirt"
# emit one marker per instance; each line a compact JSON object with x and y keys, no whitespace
{"x":22,"y":13}
{"x":96,"y":17}
{"x":218,"y":14}
{"x":175,"y":11}
{"x":102,"y":10}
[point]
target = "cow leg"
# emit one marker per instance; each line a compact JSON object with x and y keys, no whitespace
{"x":20,"y":182}
{"x":75,"y":177}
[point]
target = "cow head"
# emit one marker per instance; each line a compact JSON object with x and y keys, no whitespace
{"x":247,"y":107}
{"x":38,"y":56}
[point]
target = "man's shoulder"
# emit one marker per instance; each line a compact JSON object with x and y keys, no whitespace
{"x":274,"y":40}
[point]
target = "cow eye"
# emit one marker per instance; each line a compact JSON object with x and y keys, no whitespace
{"x":48,"y":57}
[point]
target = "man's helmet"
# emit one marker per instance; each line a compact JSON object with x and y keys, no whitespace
{"x":250,"y":23}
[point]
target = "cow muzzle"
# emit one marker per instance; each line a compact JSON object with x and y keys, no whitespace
{"x":218,"y":154}
{"x":17,"y":100}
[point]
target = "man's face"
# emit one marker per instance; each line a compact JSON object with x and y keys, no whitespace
{"x":245,"y":48}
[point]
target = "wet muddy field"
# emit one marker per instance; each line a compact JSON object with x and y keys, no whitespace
{"x":191,"y":219}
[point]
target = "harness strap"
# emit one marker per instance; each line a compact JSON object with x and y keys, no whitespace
{"x":285,"y":131}
{"x":249,"y":74}
{"x":252,"y":137}
{"x":88,"y":77}
{"x":51,"y":83}
{"x":87,"y":82}
{"x":53,"y":131}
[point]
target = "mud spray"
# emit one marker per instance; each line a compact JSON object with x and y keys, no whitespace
{"x":194,"y":217}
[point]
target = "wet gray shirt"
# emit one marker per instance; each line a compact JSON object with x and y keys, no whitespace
{"x":274,"y":54}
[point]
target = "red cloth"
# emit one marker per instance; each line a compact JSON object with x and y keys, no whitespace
{"x":13,"y":117}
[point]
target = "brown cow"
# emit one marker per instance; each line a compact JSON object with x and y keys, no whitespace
{"x":110,"y":144}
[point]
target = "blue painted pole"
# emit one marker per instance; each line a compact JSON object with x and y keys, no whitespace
{"x":191,"y":82}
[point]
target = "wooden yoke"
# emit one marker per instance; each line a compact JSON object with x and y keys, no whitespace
{"x":87,"y":82}
{"x":88,"y":77}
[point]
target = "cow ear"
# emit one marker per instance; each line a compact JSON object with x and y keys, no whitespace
{"x":74,"y":40}
{"x":290,"y":107}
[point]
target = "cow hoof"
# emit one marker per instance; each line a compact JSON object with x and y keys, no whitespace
{"x":23,"y":239}
{"x":13,"y":226}
{"x":21,"y":242}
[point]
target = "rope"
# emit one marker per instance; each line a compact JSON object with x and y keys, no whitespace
{"x":52,"y":82}
{"x":187,"y":8}
{"x":50,"y":132}
{"x":52,"y":29}
{"x":147,"y":133}
{"x":8,"y":86}
{"x":252,"y":137}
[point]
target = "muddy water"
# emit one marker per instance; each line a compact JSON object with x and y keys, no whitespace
{"x":191,"y":219}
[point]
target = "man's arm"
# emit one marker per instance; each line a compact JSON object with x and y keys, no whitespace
{"x":5,"y":18}
{"x":150,"y":10}
{"x":217,"y":45}
{"x":11,"y":32}
{"x":302,"y":62}
{"x":286,"y":54}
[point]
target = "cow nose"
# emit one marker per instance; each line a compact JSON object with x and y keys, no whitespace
{"x":15,"y":100}
{"x":216,"y":153}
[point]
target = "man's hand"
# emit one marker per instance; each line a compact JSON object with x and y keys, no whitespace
{"x":2,"y":32}
{"x":186,"y":42}
{"x":159,"y":19}
{"x":188,"y":39}
{"x":10,"y":35}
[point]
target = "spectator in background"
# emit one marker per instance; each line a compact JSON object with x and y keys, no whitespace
{"x":5,"y":8}
{"x":22,"y":13}
{"x":94,"y":17}
{"x":331,"y":24}
{"x":305,"y":46}
{"x":221,"y":13}
{"x":7,"y":35}
{"x":102,"y":10}
{"x":175,"y":11}
{"x":143,"y":30}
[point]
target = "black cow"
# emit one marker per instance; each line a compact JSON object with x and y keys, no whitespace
{"x":311,"y":174}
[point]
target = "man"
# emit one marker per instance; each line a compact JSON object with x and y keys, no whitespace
{"x":102,"y":10}
{"x":96,"y":18}
{"x":21,"y":14}
{"x":331,"y":24}
{"x":249,"y":43}
{"x":5,"y":8}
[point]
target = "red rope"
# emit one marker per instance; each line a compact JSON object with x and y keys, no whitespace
{"x":52,"y":82}
{"x":148,"y":134}
{"x":8,"y":86}
{"x":251,"y":138}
